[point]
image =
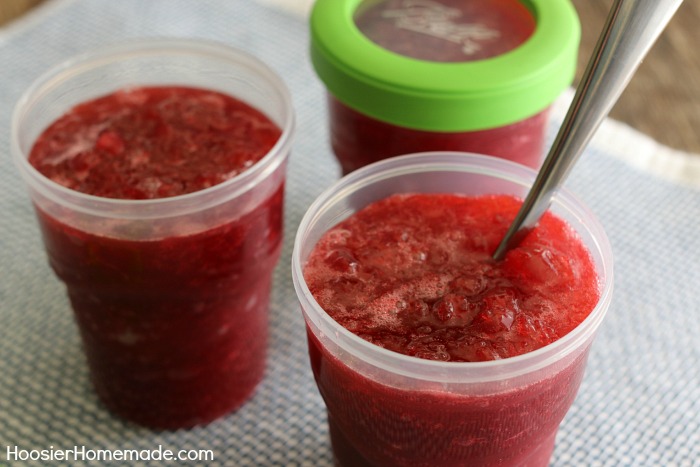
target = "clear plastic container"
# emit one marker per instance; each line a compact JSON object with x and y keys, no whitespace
{"x":407,"y":76}
{"x":170,"y":295}
{"x":386,"y":408}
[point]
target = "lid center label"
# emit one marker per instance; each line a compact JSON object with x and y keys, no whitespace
{"x":437,"y":20}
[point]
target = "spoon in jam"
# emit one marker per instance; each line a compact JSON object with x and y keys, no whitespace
{"x":631,"y":28}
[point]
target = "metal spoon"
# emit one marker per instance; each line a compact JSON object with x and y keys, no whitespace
{"x":630,"y":30}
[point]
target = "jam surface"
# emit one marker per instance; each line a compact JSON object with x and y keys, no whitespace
{"x":153,"y":142}
{"x":414,"y":274}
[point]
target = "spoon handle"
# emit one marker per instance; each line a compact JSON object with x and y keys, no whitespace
{"x":630,"y":30}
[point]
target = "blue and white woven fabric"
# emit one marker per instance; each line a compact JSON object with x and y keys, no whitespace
{"x":639,"y":404}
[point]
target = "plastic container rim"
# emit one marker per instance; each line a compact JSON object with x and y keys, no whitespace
{"x":158,"y":207}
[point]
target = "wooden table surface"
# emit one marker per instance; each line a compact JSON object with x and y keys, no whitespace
{"x":663,"y":98}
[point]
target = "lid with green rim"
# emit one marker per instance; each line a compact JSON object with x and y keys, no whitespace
{"x":445,"y":65}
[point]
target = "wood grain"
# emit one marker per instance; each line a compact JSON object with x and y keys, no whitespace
{"x":663,"y":98}
{"x":12,"y":9}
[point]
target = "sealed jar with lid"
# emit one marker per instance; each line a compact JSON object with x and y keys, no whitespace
{"x":407,"y":76}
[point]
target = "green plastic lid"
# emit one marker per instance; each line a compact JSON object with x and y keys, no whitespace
{"x":428,"y":94}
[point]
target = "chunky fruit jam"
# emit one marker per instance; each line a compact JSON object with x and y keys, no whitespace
{"x":413,"y":274}
{"x":153,"y":142}
{"x":174,"y":328}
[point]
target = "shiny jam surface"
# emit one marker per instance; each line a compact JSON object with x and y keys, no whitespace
{"x":174,"y":329}
{"x":153,"y":142}
{"x":413,"y":274}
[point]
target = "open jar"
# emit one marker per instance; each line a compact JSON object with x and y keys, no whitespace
{"x":421,"y":75}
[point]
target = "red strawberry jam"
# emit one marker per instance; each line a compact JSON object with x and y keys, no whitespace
{"x":413,"y":274}
{"x":358,"y":140}
{"x":174,"y":328}
{"x":153,"y":142}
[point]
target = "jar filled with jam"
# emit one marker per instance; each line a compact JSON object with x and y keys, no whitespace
{"x":406,"y":76}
